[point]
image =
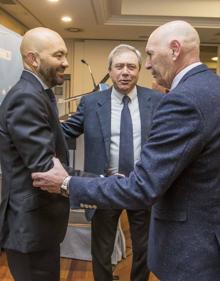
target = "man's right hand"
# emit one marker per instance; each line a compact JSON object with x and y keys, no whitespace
{"x":51,"y":180}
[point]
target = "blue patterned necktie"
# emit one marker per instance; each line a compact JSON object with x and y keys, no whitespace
{"x":126,"y":149}
{"x":52,"y":100}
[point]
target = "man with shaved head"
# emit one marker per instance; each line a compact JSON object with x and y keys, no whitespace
{"x":179,"y":170}
{"x":33,"y":222}
{"x":177,"y":46}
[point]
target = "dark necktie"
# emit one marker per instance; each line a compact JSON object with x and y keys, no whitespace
{"x":52,"y":100}
{"x":126,"y":149}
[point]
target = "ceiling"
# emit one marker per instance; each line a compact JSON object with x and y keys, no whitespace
{"x":117,"y":19}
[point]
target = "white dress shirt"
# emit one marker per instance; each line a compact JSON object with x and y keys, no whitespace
{"x":180,"y":75}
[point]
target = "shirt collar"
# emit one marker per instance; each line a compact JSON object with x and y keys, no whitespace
{"x":180,"y":75}
{"x":132,"y":94}
{"x":38,"y":78}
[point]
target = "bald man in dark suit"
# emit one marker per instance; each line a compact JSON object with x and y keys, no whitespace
{"x":33,"y":222}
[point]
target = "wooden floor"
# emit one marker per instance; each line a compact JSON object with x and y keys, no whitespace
{"x":76,"y":270}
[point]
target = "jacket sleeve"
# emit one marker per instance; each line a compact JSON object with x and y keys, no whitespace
{"x":30,"y":131}
{"x":74,"y":126}
{"x":175,"y":139}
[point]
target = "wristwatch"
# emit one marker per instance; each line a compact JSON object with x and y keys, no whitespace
{"x":64,"y":189}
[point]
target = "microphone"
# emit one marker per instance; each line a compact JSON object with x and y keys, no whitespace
{"x":93,"y":80}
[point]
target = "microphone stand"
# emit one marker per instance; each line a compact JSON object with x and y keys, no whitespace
{"x":93,"y":79}
{"x":96,"y":88}
{"x":104,"y":79}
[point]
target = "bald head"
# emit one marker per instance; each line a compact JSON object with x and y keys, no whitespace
{"x":172,"y":47}
{"x":44,"y":53}
{"x":38,"y":39}
{"x":180,"y":31}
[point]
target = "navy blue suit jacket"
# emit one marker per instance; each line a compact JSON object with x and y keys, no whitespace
{"x":93,"y":118}
{"x":179,"y":174}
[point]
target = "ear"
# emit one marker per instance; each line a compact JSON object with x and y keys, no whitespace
{"x":32,"y":59}
{"x":175,"y":48}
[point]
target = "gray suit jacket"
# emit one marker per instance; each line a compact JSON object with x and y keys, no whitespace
{"x":179,"y":174}
{"x":30,"y":135}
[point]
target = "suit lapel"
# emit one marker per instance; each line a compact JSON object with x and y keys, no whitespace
{"x":145,"y":108}
{"x":104,"y":115}
{"x":61,"y":147}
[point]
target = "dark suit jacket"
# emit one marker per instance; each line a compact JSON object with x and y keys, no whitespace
{"x":93,"y":118}
{"x":179,"y":173}
{"x":30,"y":135}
